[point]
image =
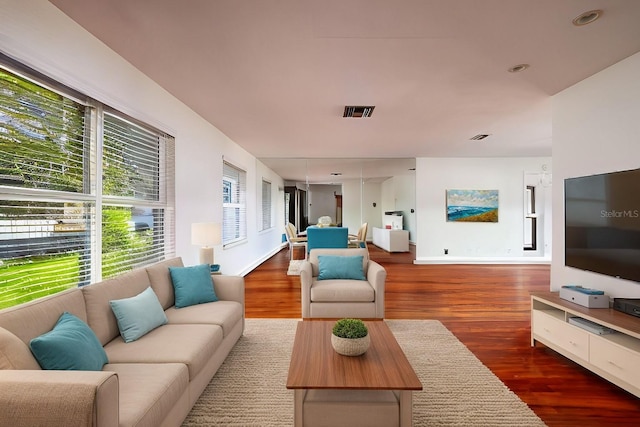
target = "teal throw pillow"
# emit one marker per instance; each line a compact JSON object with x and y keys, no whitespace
{"x":192,"y":285}
{"x":138,"y":315}
{"x":340,"y":267}
{"x":70,"y":345}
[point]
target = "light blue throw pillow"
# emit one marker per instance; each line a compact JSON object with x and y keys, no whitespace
{"x":192,"y":285}
{"x":70,"y":345}
{"x":340,"y":267}
{"x":138,"y":315}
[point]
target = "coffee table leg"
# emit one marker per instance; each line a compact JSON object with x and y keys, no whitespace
{"x":298,"y":407}
{"x":406,"y":408}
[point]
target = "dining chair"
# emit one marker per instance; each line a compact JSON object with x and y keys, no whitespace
{"x":294,"y":240}
{"x":359,"y":240}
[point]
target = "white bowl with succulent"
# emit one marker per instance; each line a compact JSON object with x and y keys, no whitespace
{"x":350,"y":337}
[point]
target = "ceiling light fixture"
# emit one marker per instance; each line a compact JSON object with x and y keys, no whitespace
{"x":336,"y":173}
{"x":587,"y":17}
{"x":518,"y":68}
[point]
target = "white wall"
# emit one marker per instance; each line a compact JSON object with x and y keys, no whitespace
{"x":596,"y":129}
{"x":372,"y":215}
{"x":357,"y":205}
{"x":399,"y":194}
{"x":37,"y":34}
{"x":351,"y":204}
{"x":472,"y":242}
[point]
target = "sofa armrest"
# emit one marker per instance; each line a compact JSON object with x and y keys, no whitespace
{"x":229,"y":288}
{"x":306,"y":280}
{"x":59,"y":398}
{"x":377,"y":276}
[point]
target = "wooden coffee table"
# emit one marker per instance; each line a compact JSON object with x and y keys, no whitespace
{"x":331,"y":389}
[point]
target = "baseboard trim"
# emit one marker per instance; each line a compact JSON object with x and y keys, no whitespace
{"x":262,"y":259}
{"x":486,"y":260}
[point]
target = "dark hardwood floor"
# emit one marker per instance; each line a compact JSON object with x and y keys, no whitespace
{"x":488,"y":308}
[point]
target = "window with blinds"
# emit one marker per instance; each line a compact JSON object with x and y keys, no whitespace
{"x":234,"y":206}
{"x":136,"y":168}
{"x":266,"y":205}
{"x":59,"y":228}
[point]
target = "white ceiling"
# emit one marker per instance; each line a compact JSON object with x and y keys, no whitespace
{"x":275,"y":75}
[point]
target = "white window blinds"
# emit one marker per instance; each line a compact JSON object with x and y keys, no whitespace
{"x":43,"y":142}
{"x":137,"y":215}
{"x":45,"y":217}
{"x":266,"y":205}
{"x":58,"y":229}
{"x":234,"y":206}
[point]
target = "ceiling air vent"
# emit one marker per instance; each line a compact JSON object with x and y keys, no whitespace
{"x":479,"y":137}
{"x":358,"y":111}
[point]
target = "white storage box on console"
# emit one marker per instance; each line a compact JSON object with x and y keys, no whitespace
{"x":584,"y":299}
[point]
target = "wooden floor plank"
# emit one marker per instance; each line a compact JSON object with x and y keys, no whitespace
{"x":487,"y":307}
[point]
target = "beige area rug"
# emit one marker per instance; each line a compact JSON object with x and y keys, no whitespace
{"x":249,"y":389}
{"x":294,"y":267}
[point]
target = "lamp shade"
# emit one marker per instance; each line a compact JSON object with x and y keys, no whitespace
{"x":206,"y":233}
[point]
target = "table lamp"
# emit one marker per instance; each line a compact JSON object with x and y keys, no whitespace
{"x":206,"y":235}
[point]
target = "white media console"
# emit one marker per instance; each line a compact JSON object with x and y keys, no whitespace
{"x":614,"y":356}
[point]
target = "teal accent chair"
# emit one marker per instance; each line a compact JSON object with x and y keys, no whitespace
{"x":327,"y":237}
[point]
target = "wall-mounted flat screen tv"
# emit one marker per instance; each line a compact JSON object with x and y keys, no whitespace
{"x":602,"y":223}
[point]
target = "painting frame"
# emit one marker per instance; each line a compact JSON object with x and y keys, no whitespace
{"x":472,"y":205}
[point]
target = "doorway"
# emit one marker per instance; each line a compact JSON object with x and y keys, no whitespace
{"x":297,"y":211}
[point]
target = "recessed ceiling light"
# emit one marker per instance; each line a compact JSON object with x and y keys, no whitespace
{"x":518,"y":68}
{"x":587,"y":17}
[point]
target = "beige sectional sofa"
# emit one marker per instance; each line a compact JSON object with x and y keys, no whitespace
{"x":153,"y":381}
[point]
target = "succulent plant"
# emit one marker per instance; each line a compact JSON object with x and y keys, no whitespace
{"x":350,"y":328}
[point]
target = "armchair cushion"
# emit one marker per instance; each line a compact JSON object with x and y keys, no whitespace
{"x":340,"y":267}
{"x":342,"y":291}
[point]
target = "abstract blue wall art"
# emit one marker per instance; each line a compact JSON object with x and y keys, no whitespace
{"x":472,"y":205}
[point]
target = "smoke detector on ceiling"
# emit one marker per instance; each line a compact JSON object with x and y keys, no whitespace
{"x":358,"y":111}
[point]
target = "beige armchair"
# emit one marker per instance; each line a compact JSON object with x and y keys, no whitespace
{"x":338,"y":298}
